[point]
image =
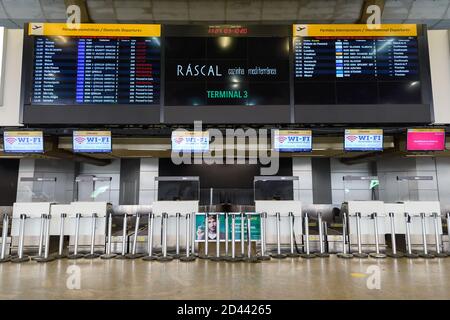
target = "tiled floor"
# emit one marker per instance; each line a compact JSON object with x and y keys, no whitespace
{"x":326,"y":278}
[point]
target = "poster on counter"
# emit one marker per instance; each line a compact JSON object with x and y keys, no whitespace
{"x":214,"y":229}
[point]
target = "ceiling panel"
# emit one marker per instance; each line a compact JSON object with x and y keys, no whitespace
{"x":175,"y":10}
{"x":316,"y":10}
{"x":23,"y":9}
{"x":237,"y":10}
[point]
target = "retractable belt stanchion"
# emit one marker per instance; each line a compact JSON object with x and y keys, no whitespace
{"x":206,"y":246}
{"x":292,"y":253}
{"x":46,"y":257}
{"x":409,"y":254}
{"x":20,"y":256}
{"x":359,"y":254}
{"x":133,"y":254}
{"x":344,"y":254}
{"x":448,"y":231}
{"x":233,"y":257}
{"x":217,"y":257}
{"x":92,"y":254}
{"x":263,"y":220}
{"x":3,"y":257}
{"x":242,"y":235}
{"x":150,"y":227}
{"x":41,"y":236}
{"x":377,"y":254}
{"x":307,"y":254}
{"x":438,"y":253}
{"x":192,"y":220}
{"x":250,"y":258}
{"x":60,"y":254}
{"x":226,"y":236}
{"x":278,"y":255}
{"x":322,"y":253}
{"x":75,"y":254}
{"x":177,"y":254}
{"x":123,"y":254}
{"x":394,"y":253}
{"x":109,"y":254}
{"x":424,"y":253}
{"x":188,"y":257}
{"x":164,"y":257}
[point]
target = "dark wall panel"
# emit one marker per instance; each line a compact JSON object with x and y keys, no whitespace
{"x":9,"y":173}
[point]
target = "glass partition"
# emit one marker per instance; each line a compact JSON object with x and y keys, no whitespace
{"x":276,"y":188}
{"x":37,"y":189}
{"x":361,"y":188}
{"x":92,"y":188}
{"x":415,"y":188}
{"x":177,"y":188}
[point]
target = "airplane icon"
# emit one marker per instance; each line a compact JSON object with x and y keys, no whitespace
{"x":35,"y":27}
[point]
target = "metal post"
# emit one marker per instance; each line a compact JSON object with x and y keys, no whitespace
{"x":344,"y":254}
{"x":308,"y":254}
{"x":263,"y":219}
{"x":177,"y":254}
{"x":278,"y":255}
{"x":394,"y":253}
{"x":359,"y":254}
{"x":192,"y":221}
{"x":92,"y":254}
{"x":109,"y":254}
{"x":124,"y":237}
{"x":322,"y":252}
{"x":425,"y":253}
{"x":438,"y":253}
{"x":448,"y":232}
{"x":409,"y":254}
{"x":217,"y":257}
{"x":3,"y":257}
{"x":250,"y":258}
{"x":75,"y":254}
{"x":242,"y":235}
{"x":292,"y":253}
{"x":377,"y":253}
{"x":164,"y":257}
{"x":205,"y":249}
{"x":46,"y":257}
{"x":150,"y":227}
{"x":20,"y":256}
{"x":226,"y":234}
{"x":133,"y":254}
{"x":41,"y":236}
{"x":60,"y":254}
{"x":188,"y":257}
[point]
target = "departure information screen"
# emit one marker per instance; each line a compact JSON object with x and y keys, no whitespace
{"x":351,"y":64}
{"x":97,"y":66}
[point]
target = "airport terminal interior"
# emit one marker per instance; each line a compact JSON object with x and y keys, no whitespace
{"x":193,"y":149}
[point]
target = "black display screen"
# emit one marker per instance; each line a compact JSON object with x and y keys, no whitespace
{"x":349,"y":70}
{"x":95,"y":70}
{"x":226,"y":70}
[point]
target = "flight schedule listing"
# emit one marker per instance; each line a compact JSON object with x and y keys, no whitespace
{"x":96,"y":70}
{"x":386,"y":58}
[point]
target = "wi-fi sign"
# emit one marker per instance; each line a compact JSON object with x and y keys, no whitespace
{"x":179,"y":140}
{"x":352,"y":138}
{"x":282,"y":139}
{"x":80,"y":139}
{"x":11,"y":140}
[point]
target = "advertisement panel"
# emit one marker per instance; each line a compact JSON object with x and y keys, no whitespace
{"x":200,"y":227}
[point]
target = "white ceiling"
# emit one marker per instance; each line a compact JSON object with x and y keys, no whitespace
{"x":435,"y":13}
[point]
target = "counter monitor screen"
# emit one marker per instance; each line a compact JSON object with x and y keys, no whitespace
{"x":190,"y":142}
{"x":363,"y":140}
{"x":292,"y":140}
{"x":425,"y":140}
{"x":92,"y":141}
{"x":98,"y":64}
{"x":352,"y":64}
{"x":23,"y":142}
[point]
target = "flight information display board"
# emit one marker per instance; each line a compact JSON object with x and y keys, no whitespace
{"x":355,"y":64}
{"x":96,"y":69}
{"x":226,"y":66}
